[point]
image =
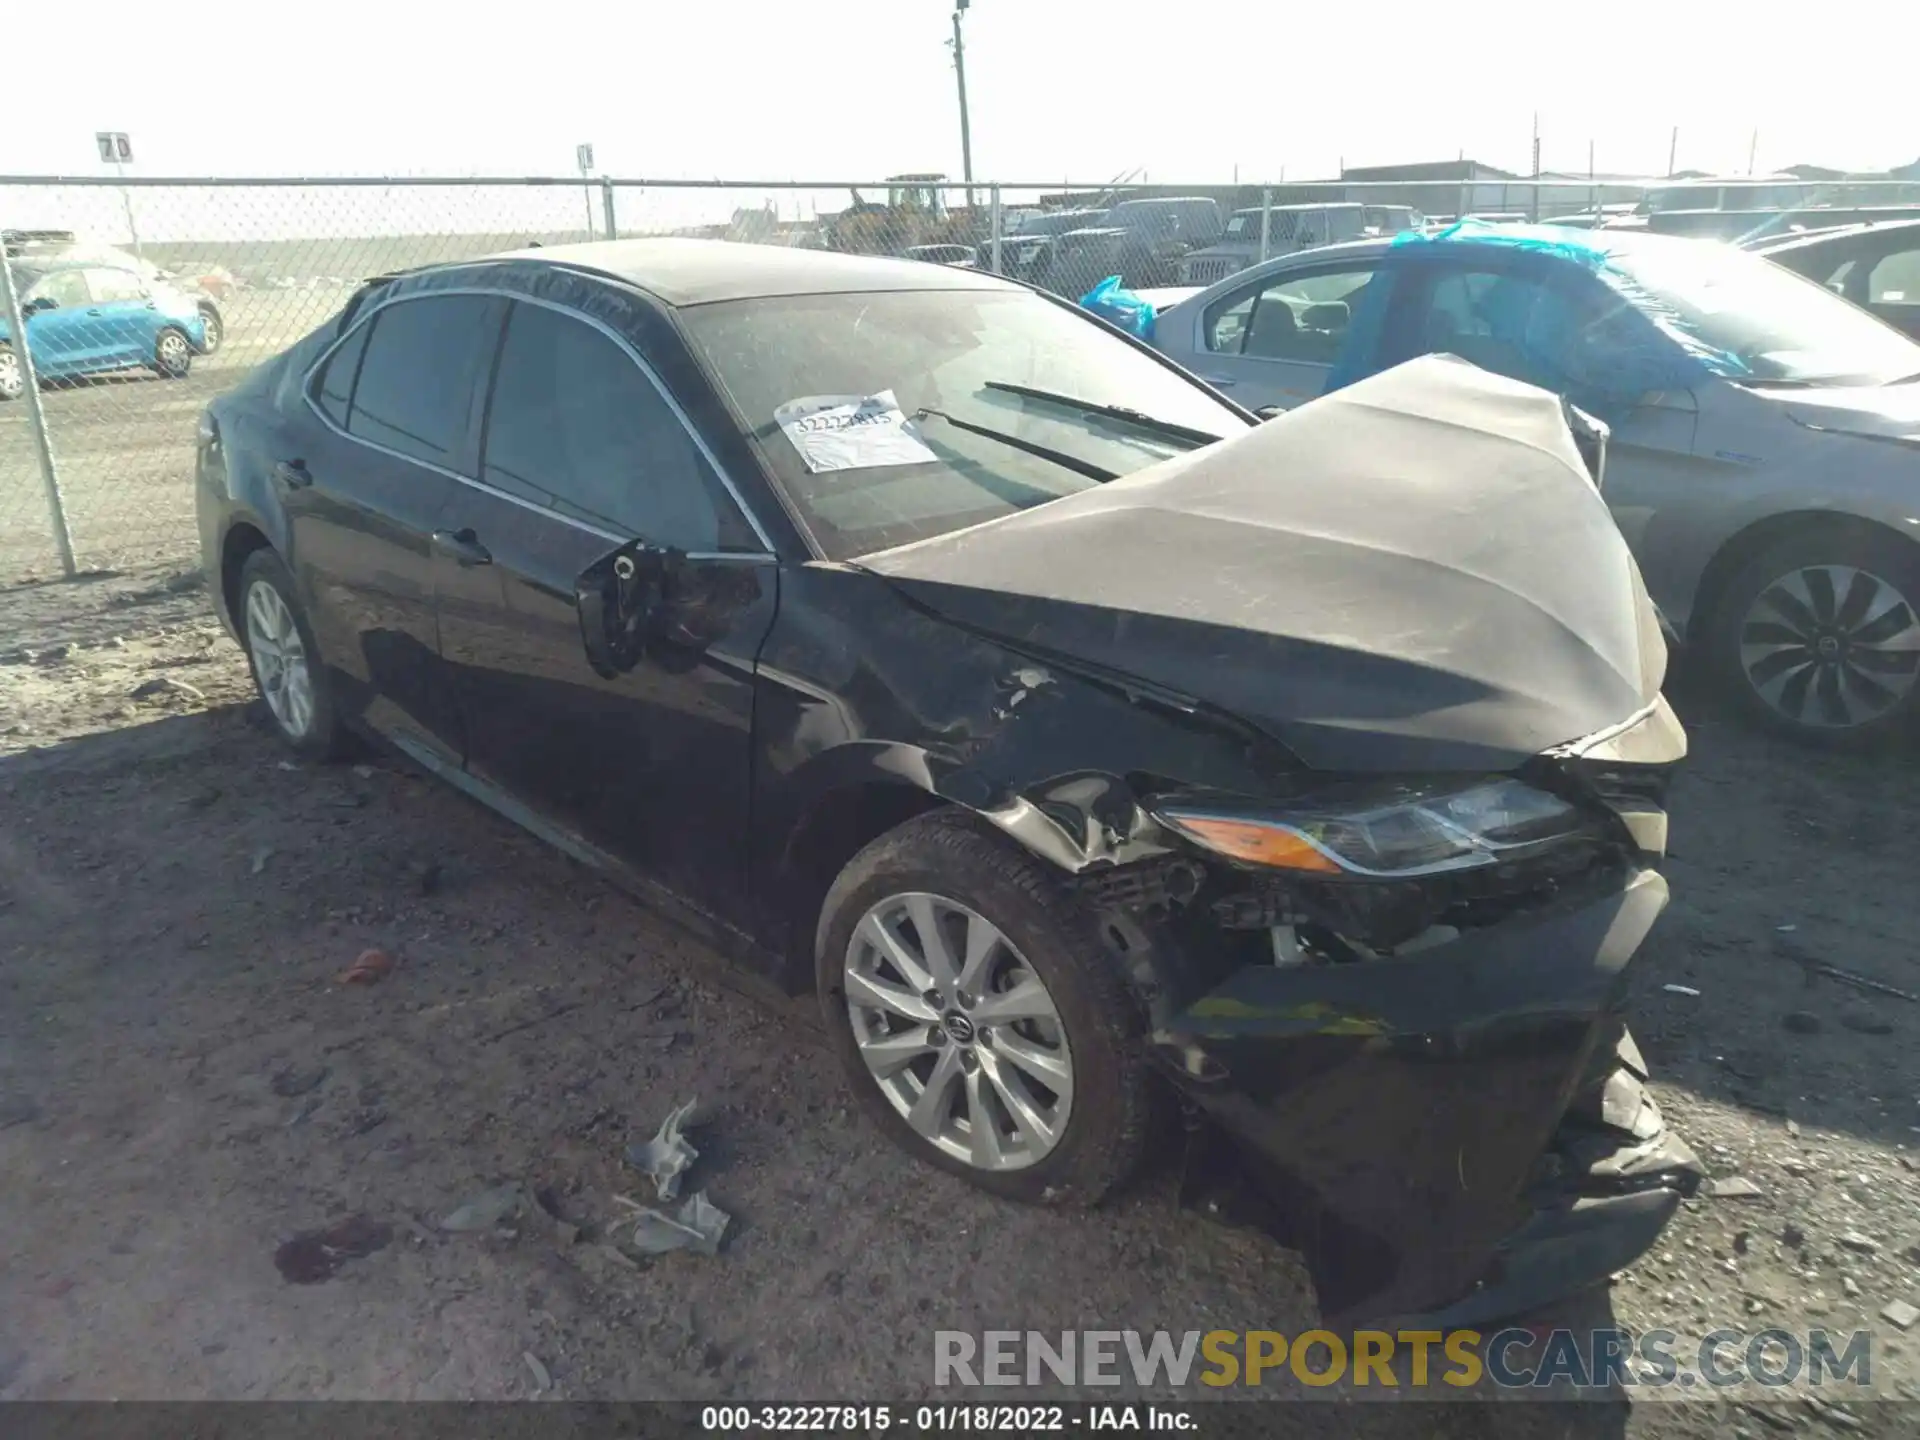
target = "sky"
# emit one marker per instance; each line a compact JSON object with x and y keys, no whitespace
{"x":1172,"y":90}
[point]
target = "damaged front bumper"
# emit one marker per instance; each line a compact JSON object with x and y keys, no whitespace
{"x":1450,"y":1137}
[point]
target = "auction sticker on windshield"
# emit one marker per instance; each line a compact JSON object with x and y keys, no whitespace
{"x":851,"y":432}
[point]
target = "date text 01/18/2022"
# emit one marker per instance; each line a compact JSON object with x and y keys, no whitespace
{"x":939,"y":1419}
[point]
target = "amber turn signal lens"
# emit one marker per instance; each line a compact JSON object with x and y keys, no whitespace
{"x":1255,"y":843}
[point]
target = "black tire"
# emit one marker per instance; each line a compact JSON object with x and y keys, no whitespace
{"x":215,"y":329}
{"x":172,"y":353}
{"x":1833,"y":701}
{"x":13,"y":376}
{"x":952,"y":854}
{"x":324,"y":738}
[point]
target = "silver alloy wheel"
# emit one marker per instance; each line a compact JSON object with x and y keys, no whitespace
{"x":959,"y":1032}
{"x":279,"y":659}
{"x":175,"y":354}
{"x":13,"y":375}
{"x":211,"y":334}
{"x":1830,"y":646}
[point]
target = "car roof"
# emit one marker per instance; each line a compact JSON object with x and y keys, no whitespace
{"x":1502,"y":242}
{"x":683,"y":272}
{"x":1315,"y":205}
{"x":1813,"y":238}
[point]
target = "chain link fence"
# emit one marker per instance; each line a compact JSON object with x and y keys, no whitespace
{"x":144,"y":298}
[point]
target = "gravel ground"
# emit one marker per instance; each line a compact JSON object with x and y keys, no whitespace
{"x":187,"y":1088}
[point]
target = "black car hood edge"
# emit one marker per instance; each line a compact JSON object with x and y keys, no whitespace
{"x":1413,"y":573}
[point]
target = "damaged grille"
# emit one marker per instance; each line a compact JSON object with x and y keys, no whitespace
{"x":1206,"y":271}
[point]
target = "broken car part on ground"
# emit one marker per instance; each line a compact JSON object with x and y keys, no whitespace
{"x":1067,"y":752}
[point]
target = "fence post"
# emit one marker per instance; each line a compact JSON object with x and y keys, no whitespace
{"x":606,"y":205}
{"x":37,"y":418}
{"x":993,"y":209}
{"x":1266,"y":220}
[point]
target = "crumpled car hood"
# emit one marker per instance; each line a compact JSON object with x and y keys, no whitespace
{"x":1412,"y":573}
{"x":1885,"y":412}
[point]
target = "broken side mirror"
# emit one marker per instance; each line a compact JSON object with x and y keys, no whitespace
{"x":617,"y":596}
{"x":652,"y":602}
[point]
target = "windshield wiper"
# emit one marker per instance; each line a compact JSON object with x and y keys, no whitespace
{"x":1059,"y":457}
{"x":1112,"y":412}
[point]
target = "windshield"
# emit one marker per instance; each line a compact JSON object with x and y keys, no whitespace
{"x":897,"y":475}
{"x":1762,"y":322}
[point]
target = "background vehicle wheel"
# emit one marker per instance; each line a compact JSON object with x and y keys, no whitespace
{"x":215,"y":330}
{"x":172,"y":354}
{"x":979,"y":1016}
{"x":284,"y":660}
{"x":13,"y":375}
{"x":1819,"y":638}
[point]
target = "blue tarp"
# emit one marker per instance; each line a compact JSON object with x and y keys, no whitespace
{"x":1116,"y":304}
{"x":1644,"y":346}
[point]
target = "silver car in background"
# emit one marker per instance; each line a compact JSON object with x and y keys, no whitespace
{"x":1769,"y":491}
{"x":1291,"y":228}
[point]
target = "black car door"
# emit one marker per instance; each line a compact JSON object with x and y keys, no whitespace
{"x":362,"y":492}
{"x":582,"y":451}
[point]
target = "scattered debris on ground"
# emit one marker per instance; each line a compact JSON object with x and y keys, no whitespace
{"x":666,"y":1157}
{"x":697,"y":1224}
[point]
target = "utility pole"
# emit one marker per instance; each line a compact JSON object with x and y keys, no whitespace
{"x":1753,"y":148}
{"x":583,"y":157}
{"x":1673,"y":151}
{"x":960,"y":74}
{"x":1534,"y":208}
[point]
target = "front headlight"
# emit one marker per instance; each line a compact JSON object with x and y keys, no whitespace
{"x":1393,"y":833}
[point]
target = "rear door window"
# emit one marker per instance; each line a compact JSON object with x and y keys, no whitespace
{"x":414,"y":394}
{"x":66,"y":288}
{"x":333,"y":392}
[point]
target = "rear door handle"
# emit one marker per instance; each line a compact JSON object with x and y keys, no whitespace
{"x":463,"y":545}
{"x":293,"y":474}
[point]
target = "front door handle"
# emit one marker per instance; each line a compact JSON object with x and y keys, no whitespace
{"x":293,"y":474}
{"x":1219,"y":382}
{"x":463,"y":545}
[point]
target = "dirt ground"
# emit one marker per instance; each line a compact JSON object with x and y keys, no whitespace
{"x":187,"y":1088}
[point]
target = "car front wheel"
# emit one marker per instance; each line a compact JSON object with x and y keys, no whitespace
{"x":13,"y":375}
{"x":212,"y":332}
{"x":284,"y":660}
{"x":172,"y":354}
{"x":1819,"y":638}
{"x":980,"y":1017}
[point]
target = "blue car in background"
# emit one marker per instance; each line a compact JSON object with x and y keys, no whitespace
{"x":84,"y":319}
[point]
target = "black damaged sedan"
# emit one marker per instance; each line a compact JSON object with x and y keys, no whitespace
{"x":924,"y":641}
